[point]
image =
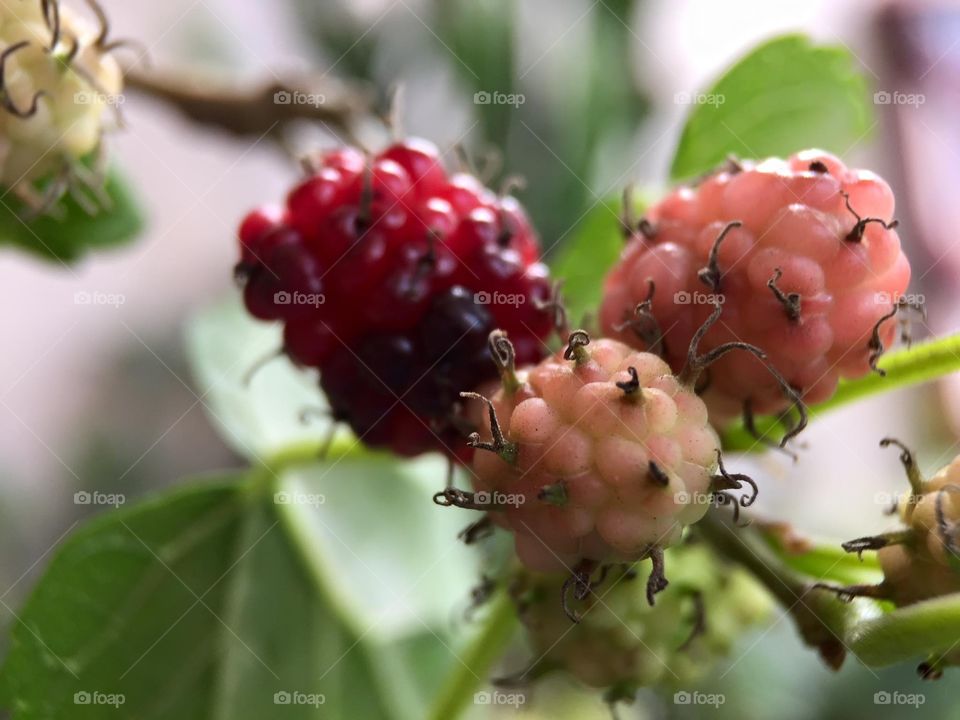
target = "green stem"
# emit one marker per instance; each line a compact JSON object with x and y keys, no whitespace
{"x":910,"y":366}
{"x":476,"y":662}
{"x":822,"y":619}
{"x":921,"y":630}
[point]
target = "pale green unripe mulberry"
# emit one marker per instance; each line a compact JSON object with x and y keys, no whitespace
{"x":59,"y":83}
{"x":622,"y":643}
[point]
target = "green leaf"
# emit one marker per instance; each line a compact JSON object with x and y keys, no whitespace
{"x":825,"y":562}
{"x":786,"y":95}
{"x":265,"y":415}
{"x":347,"y":517}
{"x":583,"y":262}
{"x":196,"y":605}
{"x":72,"y":231}
{"x":910,"y":366}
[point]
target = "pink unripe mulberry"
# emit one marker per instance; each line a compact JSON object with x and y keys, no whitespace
{"x":599,"y":453}
{"x":809,"y":265}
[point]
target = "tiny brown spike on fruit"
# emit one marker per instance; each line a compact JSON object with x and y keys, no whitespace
{"x":657,"y":475}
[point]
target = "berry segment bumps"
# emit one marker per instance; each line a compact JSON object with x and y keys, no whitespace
{"x":598,"y":455}
{"x":389,"y":276}
{"x":803,"y":255}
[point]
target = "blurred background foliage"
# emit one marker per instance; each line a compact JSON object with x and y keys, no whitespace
{"x":572,"y":104}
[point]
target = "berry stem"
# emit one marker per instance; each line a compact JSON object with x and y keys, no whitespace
{"x":823,"y":621}
{"x":254,"y":110}
{"x":922,"y":630}
{"x":477,"y":660}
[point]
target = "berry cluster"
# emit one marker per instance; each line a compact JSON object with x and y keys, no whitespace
{"x":921,"y":560}
{"x":804,"y":257}
{"x":58,"y":80}
{"x":622,"y":643}
{"x":389,"y":276}
{"x":57,"y":83}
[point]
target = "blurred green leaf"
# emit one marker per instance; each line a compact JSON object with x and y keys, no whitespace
{"x":824,"y":562}
{"x":385,"y":587}
{"x":480,"y":34}
{"x":201,"y":604}
{"x":72,"y":231}
{"x":909,"y":366}
{"x":258,"y":414}
{"x":392,"y":555}
{"x":563,"y":133}
{"x":786,"y":95}
{"x":583,"y":262}
{"x":347,"y":37}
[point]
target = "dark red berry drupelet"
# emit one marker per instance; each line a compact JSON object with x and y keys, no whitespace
{"x":389,"y":276}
